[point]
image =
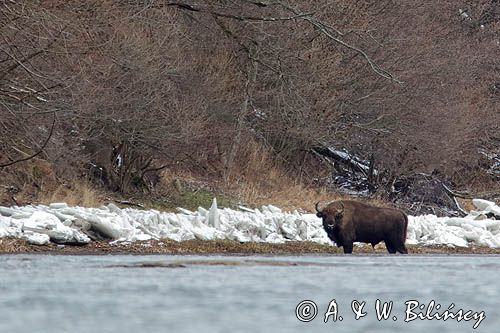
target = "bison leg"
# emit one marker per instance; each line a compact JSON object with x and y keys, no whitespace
{"x":402,"y":249}
{"x":348,"y":247}
{"x":390,"y":247}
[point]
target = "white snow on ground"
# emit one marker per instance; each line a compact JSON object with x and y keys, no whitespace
{"x":61,"y":223}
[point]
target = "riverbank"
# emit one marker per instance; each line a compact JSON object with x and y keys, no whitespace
{"x":222,"y":247}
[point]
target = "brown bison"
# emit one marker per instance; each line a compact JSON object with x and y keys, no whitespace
{"x":348,"y":221}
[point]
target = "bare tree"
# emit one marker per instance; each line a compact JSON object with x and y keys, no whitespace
{"x":200,"y":84}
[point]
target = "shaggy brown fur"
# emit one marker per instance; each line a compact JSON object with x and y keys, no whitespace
{"x":348,"y":221}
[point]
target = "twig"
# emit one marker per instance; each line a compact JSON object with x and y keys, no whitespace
{"x":39,"y":151}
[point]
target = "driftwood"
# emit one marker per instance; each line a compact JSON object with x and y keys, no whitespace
{"x":454,"y":195}
{"x":419,"y":192}
{"x":353,"y":162}
{"x":351,"y":172}
{"x":126,"y":202}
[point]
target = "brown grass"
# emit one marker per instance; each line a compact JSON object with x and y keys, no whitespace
{"x":256,"y":179}
{"x":259,"y":180}
{"x":77,"y":193}
{"x":466,"y":204}
{"x":24,"y":182}
{"x":285,"y":194}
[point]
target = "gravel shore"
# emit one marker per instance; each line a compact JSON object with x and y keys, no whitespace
{"x":223,"y":247}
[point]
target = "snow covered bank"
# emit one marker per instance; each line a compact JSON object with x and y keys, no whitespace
{"x":61,"y":223}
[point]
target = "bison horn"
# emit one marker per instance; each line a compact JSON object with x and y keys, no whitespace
{"x":319,"y":213}
{"x":342,"y":207}
{"x":317,"y":208}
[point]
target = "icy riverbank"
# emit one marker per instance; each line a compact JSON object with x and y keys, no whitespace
{"x":61,"y":223}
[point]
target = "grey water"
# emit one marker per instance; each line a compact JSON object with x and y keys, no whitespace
{"x":119,"y":293}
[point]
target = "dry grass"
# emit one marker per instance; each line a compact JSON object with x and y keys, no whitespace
{"x":78,"y":193}
{"x":262,"y":183}
{"x":24,"y":182}
{"x":36,"y":182}
{"x":466,"y":204}
{"x":285,"y":194}
{"x":258,"y":180}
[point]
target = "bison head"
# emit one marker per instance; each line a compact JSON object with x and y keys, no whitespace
{"x":331,"y":214}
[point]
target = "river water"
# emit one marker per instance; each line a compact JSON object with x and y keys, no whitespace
{"x":44,"y":293}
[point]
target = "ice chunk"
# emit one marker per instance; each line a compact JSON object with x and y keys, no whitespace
{"x":4,"y":226}
{"x":62,"y":223}
{"x":114,"y":208}
{"x":213,"y":215}
{"x":275,"y":238}
{"x":105,"y":226}
{"x":495,"y":210}
{"x":7,"y":211}
{"x":48,"y":224}
{"x":140,"y":237}
{"x":41,"y":220}
{"x":184,"y":211}
{"x":271,"y":209}
{"x":36,"y":238}
{"x":245,"y":209}
{"x":482,"y":204}
{"x":58,"y":205}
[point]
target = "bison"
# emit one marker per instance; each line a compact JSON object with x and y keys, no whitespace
{"x":348,"y":221}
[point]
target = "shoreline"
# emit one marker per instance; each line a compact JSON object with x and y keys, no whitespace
{"x":224,"y":247}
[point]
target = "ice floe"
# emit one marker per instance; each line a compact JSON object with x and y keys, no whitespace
{"x":62,"y":224}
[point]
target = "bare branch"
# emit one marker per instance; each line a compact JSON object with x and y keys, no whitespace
{"x":324,"y":28}
{"x":235,"y":17}
{"x":38,"y":152}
